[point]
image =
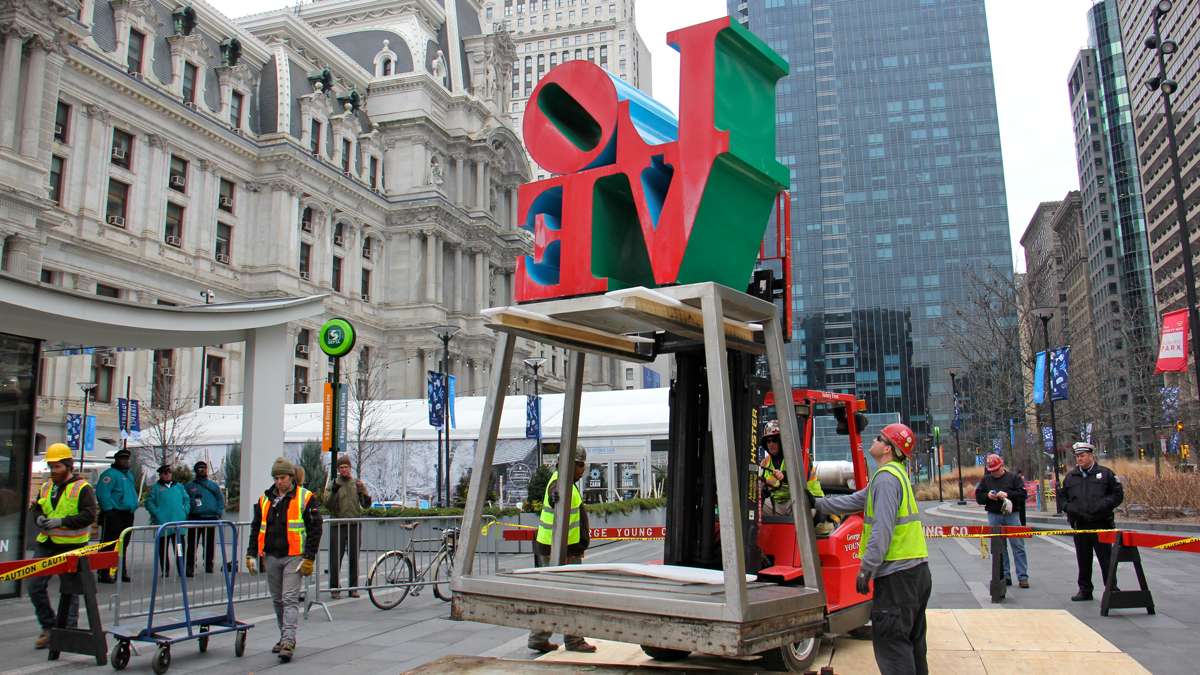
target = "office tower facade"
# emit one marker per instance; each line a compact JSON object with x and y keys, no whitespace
{"x":888,"y":123}
{"x":1153,"y":148}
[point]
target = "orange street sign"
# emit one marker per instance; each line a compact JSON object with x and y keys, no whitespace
{"x":327,"y":418}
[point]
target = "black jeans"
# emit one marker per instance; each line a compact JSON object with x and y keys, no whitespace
{"x":167,"y":547}
{"x":112,"y":524}
{"x":346,"y":536}
{"x":208,"y":534}
{"x":1085,"y":544}
{"x":40,"y":596}
{"x":898,"y":621}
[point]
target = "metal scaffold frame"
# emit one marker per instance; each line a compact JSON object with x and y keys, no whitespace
{"x":736,"y":618}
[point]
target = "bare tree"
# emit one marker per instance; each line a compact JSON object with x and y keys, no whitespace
{"x":167,"y":428}
{"x":365,"y":416}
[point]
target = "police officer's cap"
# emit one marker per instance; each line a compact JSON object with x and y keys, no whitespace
{"x":1082,"y":447}
{"x":122,"y":453}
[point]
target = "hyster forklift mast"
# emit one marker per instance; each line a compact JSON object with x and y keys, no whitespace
{"x":691,"y":483}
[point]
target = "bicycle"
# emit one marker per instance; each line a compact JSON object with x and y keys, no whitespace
{"x":393,"y":575}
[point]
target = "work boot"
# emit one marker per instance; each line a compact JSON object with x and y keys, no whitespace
{"x":1008,"y":581}
{"x":1081,"y":596}
{"x":1024,"y":583}
{"x":286,"y":649}
{"x":335,"y":595}
{"x":544,"y":646}
{"x":276,"y":648}
{"x":43,"y":640}
{"x":581,"y":646}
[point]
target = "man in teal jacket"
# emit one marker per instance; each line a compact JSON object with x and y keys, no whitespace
{"x":206,"y":503}
{"x":118,"y":497}
{"x":168,"y":503}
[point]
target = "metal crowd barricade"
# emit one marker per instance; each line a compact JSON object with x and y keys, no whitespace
{"x":377,"y":536}
{"x":135,"y":597}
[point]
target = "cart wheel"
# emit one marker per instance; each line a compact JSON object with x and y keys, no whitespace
{"x":793,"y":658}
{"x":119,"y":657}
{"x":239,"y":643}
{"x":162,"y":659}
{"x":203,"y":639}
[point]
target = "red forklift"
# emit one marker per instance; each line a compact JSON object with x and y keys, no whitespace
{"x":837,"y":542}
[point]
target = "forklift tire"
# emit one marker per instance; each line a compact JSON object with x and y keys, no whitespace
{"x":797,"y":657}
{"x":665,"y":654}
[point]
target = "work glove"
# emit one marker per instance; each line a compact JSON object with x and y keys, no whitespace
{"x":53,"y":523}
{"x":41,"y":522}
{"x":306,"y":568}
{"x":862,"y":583}
{"x":251,"y":565}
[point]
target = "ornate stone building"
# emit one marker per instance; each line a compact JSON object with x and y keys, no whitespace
{"x":154,"y":150}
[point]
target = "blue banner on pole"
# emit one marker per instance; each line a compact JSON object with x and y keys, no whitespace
{"x":74,"y":422}
{"x":437,"y":398}
{"x":1012,"y":433}
{"x":1175,"y":440}
{"x":997,"y":446}
{"x":533,"y":416}
{"x":129,"y":418}
{"x":956,"y":423}
{"x":1170,"y":404}
{"x":450,"y":400}
{"x":1039,"y":379}
{"x":1060,"y":362}
{"x":89,"y":444}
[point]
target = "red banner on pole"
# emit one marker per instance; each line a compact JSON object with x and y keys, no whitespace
{"x":1172,"y":349}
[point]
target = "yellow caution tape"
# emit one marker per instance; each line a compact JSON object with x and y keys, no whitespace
{"x":1180,"y":542}
{"x":46,"y":563}
{"x":1031,"y":533}
{"x":484,"y":530}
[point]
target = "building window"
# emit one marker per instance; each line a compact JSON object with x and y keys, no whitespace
{"x":49,"y":276}
{"x":173,"y":226}
{"x":603,"y":56}
{"x":224,"y":247}
{"x":133,"y":55}
{"x":178,"y":174}
{"x":337,"y":274}
{"x":62,"y":122}
{"x":366,"y":285}
{"x":339,"y":234}
{"x":118,"y":200}
{"x":103,"y":371}
{"x":237,"y":101}
{"x":122,"y":149}
{"x":366,"y":248}
{"x":300,"y":384}
{"x":225,"y":196}
{"x":374,"y":172}
{"x":215,"y":386}
{"x":314,"y":141}
{"x":56,"y":179}
{"x":387,"y":67}
{"x":164,"y":373}
{"x":306,"y":219}
{"x":190,"y":75}
{"x":347,"y":148}
{"x":305,"y":260}
{"x":303,"y":340}
{"x":106,"y":291}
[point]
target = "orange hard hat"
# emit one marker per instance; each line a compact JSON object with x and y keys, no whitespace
{"x":901,"y":438}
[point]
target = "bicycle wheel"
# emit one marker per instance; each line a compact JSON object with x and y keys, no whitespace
{"x":443,"y":569}
{"x":390,"y":569}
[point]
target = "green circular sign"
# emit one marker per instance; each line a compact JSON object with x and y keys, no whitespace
{"x":336,"y":338}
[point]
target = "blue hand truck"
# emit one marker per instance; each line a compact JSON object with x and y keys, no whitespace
{"x":192,"y":627}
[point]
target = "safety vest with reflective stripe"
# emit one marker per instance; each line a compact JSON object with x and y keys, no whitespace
{"x":783,"y":492}
{"x":68,"y":505}
{"x":908,"y":537}
{"x":545,"y":531}
{"x":296,"y":531}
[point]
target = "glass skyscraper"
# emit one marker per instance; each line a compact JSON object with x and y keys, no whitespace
{"x":888,"y":123}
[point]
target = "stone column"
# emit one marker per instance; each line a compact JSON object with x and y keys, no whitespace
{"x":152,"y":163}
{"x":412,"y":291}
{"x":480,"y":185}
{"x":440,"y":295}
{"x":460,"y":278}
{"x":93,"y":162}
{"x":512,"y":209}
{"x":460,"y":171}
{"x":31,"y":114}
{"x":431,"y":253}
{"x":10,"y":82}
{"x":481,"y":284}
{"x":23,"y":257}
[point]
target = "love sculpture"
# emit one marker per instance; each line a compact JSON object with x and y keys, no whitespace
{"x":641,"y":199}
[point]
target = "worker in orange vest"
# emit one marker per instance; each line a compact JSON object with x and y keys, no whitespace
{"x":286,"y":535}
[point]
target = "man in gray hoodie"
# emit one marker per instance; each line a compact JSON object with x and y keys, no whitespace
{"x":893,"y":552}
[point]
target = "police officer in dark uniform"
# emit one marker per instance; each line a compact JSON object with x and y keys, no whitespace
{"x":1089,"y":495}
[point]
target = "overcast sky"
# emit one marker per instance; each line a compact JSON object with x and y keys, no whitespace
{"x":1034,"y":43}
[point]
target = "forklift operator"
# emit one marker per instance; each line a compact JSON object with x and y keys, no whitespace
{"x":773,"y":472}
{"x":892,"y":550}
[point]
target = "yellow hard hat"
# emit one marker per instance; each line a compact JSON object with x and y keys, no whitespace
{"x":58,"y":452}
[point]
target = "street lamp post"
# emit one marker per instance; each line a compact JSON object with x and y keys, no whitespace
{"x":86,"y":388}
{"x":957,"y":446}
{"x":535,"y":363}
{"x":1045,"y":319}
{"x":1166,"y":86}
{"x":444,"y":333}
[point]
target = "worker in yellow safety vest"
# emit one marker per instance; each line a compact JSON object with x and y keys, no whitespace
{"x":577,"y":543}
{"x":64,"y":512}
{"x":286,"y":534}
{"x":891,"y":551}
{"x":773,"y":473}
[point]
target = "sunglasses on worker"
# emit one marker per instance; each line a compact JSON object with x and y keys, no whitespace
{"x":881,"y":439}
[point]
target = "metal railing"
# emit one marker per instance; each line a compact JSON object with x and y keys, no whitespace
{"x":375,"y":536}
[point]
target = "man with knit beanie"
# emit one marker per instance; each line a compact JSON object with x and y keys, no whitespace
{"x":286,"y":534}
{"x":999,"y":490}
